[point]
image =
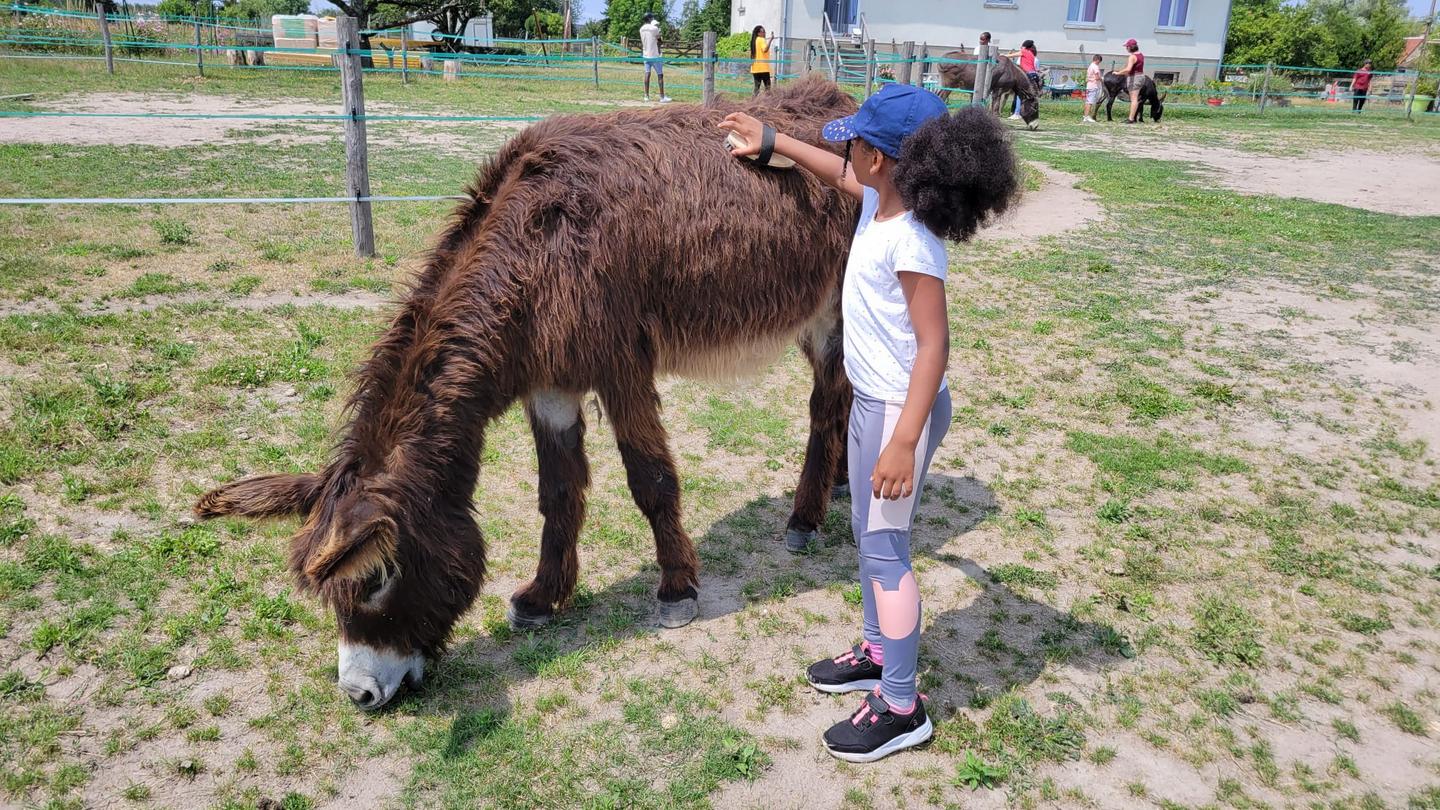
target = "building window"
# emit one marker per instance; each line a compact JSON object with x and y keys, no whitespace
{"x":1083,"y":11}
{"x":1173,"y":13}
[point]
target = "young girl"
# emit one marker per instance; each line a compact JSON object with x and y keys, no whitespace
{"x":759,"y":59}
{"x":920,"y":176}
{"x":1030,"y":63}
{"x":1094,"y":80}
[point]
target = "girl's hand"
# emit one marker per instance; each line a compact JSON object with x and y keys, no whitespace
{"x":749,"y":128}
{"x":894,"y":476}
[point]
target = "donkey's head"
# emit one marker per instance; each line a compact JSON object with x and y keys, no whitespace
{"x":1157,"y":106}
{"x":1030,"y":110}
{"x":398,"y":564}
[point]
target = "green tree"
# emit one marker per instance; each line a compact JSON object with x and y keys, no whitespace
{"x":626,"y":16}
{"x":1317,"y":33}
{"x":690,"y":29}
{"x":715,"y":16}
{"x":262,"y":9}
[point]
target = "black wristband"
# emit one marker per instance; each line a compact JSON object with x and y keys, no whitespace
{"x":767,"y":145}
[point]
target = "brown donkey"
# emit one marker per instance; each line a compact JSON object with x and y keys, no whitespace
{"x":596,"y":253}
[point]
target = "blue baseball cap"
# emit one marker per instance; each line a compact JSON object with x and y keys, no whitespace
{"x":887,"y":118}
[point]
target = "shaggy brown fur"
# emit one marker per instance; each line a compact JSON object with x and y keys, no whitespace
{"x":1007,"y":80}
{"x":596,"y":253}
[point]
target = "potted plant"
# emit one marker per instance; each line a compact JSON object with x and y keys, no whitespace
{"x":1424,"y":95}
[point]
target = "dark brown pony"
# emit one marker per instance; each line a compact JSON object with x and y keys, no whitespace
{"x":596,"y":253}
{"x":1149,"y":94}
{"x":1006,"y":80}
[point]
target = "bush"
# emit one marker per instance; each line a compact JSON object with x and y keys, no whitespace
{"x":734,"y":46}
{"x":38,"y":32}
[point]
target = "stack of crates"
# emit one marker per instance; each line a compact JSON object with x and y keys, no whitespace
{"x":328,"y":36}
{"x":299,"y":32}
{"x":295,"y":30}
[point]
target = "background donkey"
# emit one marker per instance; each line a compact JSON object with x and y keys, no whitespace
{"x":1007,"y":81}
{"x":1149,"y":94}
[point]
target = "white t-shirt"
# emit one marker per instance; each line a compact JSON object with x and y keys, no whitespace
{"x":650,"y":40}
{"x":879,"y":338}
{"x":1093,"y":77}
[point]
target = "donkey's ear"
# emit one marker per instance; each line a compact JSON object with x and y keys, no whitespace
{"x":359,"y":542}
{"x":262,"y":496}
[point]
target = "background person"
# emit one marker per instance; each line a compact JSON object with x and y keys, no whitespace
{"x":1360,"y":87}
{"x":1094,"y":79}
{"x":650,"y":50}
{"x":1134,"y":73}
{"x":759,"y":59}
{"x":1030,"y":64}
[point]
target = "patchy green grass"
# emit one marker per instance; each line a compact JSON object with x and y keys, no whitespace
{"x":1156,"y":533}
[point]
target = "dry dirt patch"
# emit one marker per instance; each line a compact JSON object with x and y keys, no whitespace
{"x":1347,"y":337}
{"x":172,"y":132}
{"x":1057,"y":207}
{"x":1403,"y":183}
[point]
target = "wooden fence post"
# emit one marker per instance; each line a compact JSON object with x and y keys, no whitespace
{"x":869,"y":67}
{"x":907,"y":66}
{"x":105,"y":35}
{"x":199,"y":54}
{"x":708,"y":93}
{"x":595,"y":59}
{"x":404,"y":55}
{"x":357,"y":169}
{"x":1265,"y":88}
{"x":981,"y":92}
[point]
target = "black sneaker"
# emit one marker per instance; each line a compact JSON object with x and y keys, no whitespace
{"x":851,"y":671}
{"x":874,"y":731}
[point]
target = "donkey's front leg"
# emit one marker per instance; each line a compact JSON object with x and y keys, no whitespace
{"x":559,"y":431}
{"x":634,"y":411}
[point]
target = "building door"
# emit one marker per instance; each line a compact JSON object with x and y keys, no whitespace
{"x":843,"y":14}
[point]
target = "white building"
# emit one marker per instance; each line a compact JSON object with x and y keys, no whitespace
{"x":1178,"y":37}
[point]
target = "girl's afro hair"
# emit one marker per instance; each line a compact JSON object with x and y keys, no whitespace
{"x":957,"y":171}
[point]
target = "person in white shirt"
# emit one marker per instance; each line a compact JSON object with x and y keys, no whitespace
{"x":650,"y":50}
{"x":1094,"y":80}
{"x":920,"y":176}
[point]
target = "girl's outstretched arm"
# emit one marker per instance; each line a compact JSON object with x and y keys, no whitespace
{"x":894,"y":475}
{"x":824,"y":164}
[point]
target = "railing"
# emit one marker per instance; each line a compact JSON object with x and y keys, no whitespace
{"x":829,"y":48}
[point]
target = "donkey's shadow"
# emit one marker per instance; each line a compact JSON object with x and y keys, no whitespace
{"x":997,"y":639}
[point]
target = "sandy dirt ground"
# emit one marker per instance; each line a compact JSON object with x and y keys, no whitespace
{"x":1056,"y":207}
{"x":1359,"y":179}
{"x":173,"y":132}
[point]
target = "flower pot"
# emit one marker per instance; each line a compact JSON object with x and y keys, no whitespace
{"x":1420,"y":103}
{"x":1214,"y":102}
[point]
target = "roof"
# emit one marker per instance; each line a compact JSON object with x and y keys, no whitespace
{"x":1411,"y":53}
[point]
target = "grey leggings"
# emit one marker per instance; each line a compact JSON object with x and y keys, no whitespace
{"x":882,"y":533}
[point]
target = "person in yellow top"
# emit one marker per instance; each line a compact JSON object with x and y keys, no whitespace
{"x":760,"y":54}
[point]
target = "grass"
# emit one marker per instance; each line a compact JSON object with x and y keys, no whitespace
{"x":1155,"y":532}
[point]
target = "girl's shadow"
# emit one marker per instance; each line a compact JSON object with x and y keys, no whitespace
{"x":997,"y":639}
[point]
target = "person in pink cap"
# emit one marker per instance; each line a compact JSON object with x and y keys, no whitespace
{"x":1134,"y":73}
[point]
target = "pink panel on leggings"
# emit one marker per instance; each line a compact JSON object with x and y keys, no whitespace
{"x":899,"y":610}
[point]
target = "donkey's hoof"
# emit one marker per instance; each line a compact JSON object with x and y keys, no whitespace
{"x":798,"y":542}
{"x":521,"y":621}
{"x":840,"y":491}
{"x":679,"y":613}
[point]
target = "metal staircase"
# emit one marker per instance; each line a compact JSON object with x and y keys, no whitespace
{"x":844,"y":55}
